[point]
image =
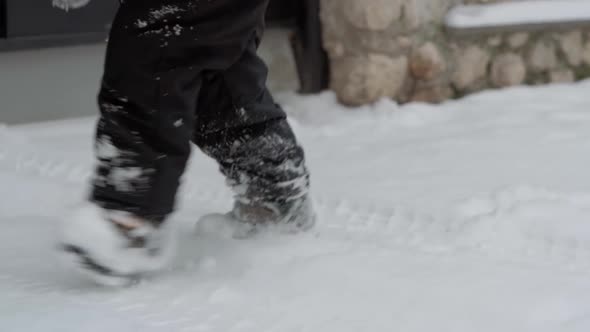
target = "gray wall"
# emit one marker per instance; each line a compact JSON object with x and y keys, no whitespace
{"x":58,"y":83}
{"x":49,"y":84}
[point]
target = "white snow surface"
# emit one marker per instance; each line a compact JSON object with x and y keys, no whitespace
{"x":473,"y":215}
{"x":518,"y":12}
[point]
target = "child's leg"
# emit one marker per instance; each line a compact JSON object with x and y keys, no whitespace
{"x":157,"y":54}
{"x":141,"y":153}
{"x":240,"y":126}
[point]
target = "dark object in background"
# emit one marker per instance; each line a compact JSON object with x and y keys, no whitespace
{"x":26,"y":24}
{"x":36,"y":23}
{"x":302,"y":16}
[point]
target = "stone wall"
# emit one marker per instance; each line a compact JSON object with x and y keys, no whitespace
{"x":399,"y":49}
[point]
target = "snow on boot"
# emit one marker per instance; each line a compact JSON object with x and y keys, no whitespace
{"x":224,"y":225}
{"x":265,"y":167}
{"x":246,"y":220}
{"x":290,"y":217}
{"x":114,"y":248}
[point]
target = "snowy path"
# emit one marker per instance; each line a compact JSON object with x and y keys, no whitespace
{"x":468,"y":216}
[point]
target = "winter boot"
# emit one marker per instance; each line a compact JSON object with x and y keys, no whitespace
{"x":247,"y":219}
{"x":114,"y":248}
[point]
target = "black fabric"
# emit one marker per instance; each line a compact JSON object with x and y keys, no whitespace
{"x":177,"y":71}
{"x":263,"y":162}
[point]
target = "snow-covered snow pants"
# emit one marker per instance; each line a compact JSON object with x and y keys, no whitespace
{"x":183,"y":71}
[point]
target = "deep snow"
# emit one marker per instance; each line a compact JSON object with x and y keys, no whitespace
{"x":473,"y":215}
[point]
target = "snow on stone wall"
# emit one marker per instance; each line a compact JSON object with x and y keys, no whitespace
{"x":402,"y":50}
{"x":519,"y":12}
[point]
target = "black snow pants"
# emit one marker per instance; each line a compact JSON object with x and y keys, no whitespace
{"x":182,"y":71}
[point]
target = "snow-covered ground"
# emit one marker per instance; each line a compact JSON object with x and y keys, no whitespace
{"x":469,"y":216}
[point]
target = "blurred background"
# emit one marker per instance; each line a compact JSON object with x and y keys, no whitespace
{"x":51,"y":60}
{"x":407,"y":50}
